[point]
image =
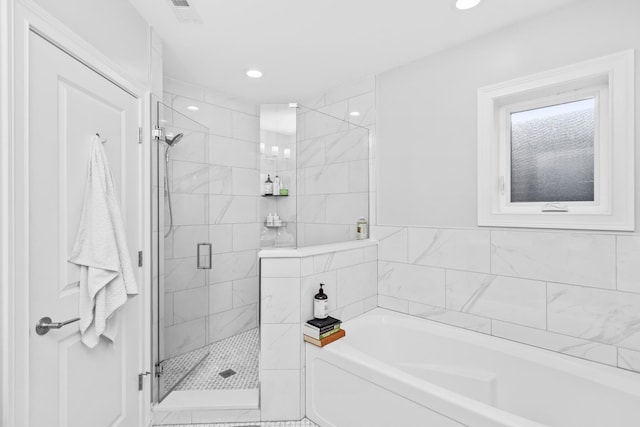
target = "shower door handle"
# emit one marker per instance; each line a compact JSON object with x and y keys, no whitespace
{"x":204,"y":261}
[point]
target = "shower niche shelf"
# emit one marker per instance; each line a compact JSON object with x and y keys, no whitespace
{"x":275,"y":195}
{"x":283,"y":224}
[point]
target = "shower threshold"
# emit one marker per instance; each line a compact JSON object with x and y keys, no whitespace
{"x":190,"y":400}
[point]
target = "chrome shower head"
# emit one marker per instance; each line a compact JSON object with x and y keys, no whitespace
{"x":171,"y":141}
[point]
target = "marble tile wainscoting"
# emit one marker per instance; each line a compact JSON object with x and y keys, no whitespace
{"x":215,"y":196}
{"x":289,"y":280}
{"x":570,"y":292}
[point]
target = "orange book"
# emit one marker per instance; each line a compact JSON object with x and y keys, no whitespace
{"x":327,"y":340}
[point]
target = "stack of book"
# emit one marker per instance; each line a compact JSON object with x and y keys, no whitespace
{"x":321,"y":332}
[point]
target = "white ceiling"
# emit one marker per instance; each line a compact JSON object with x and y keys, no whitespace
{"x":304,"y":46}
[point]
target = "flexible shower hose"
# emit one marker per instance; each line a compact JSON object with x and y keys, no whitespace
{"x":168,"y":190}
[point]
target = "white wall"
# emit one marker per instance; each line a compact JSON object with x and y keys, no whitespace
{"x":114,"y":27}
{"x":427,"y":109}
{"x":568,"y":291}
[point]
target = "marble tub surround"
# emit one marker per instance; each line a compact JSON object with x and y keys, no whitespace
{"x":571,"y":292}
{"x":289,"y":279}
{"x":215,"y":195}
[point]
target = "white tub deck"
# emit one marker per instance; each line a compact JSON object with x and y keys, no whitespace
{"x":395,"y":369}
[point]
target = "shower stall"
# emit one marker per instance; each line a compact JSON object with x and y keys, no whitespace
{"x":205,"y":312}
{"x":210,"y":219}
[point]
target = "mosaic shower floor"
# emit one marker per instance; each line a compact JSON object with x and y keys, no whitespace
{"x":302,"y":423}
{"x":238,"y":353}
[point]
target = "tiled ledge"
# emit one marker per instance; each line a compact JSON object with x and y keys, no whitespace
{"x":316,"y":250}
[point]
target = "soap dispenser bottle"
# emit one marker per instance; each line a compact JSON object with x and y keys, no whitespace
{"x":320,"y":304}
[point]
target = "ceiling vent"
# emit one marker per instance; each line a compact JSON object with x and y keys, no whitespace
{"x":185,"y":12}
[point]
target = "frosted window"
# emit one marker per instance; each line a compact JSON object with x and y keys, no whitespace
{"x":552,"y":153}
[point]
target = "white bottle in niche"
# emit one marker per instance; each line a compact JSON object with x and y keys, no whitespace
{"x":277,"y":185}
{"x":320,"y":304}
{"x":362,"y":229}
{"x":269,"y":220}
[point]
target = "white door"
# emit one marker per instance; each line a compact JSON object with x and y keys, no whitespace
{"x":71,"y":385}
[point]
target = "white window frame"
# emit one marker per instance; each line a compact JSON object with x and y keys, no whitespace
{"x":610,"y":80}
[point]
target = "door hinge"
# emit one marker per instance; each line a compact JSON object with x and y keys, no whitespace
{"x":139,"y":135}
{"x":159,"y":369}
{"x":141,"y":380}
{"x":139,"y":258}
{"x":158,"y":132}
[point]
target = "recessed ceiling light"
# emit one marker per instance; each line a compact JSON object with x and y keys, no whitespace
{"x":354,"y":114}
{"x":466,"y":4}
{"x":192,"y":108}
{"x":256,"y":74}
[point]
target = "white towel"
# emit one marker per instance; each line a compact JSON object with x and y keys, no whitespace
{"x":100,"y":249}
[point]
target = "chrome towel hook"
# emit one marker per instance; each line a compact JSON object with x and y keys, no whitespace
{"x":101,"y":140}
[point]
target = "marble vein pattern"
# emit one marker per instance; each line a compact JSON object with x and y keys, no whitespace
{"x":366,"y":105}
{"x":280,"y":346}
{"x":416,"y":283}
{"x":629,"y":359}
{"x":395,"y":304}
{"x":280,"y":297}
{"x":604,"y":316}
{"x":450,"y":317}
{"x":520,"y":301}
{"x":337,"y":260}
{"x":326,"y":179}
{"x":226,"y":209}
{"x":233,"y":266}
{"x":628,"y":267}
{"x":392,"y":244}
{"x":231,"y":322}
{"x":184,"y":337}
{"x":326,"y":120}
{"x":352,"y":144}
{"x":220,"y":179}
{"x":449,"y":248}
{"x":572,"y":258}
{"x":311,"y":152}
{"x":578,"y":347}
{"x":356,"y":283}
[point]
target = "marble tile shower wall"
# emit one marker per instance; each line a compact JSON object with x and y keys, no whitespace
{"x":575,"y":293}
{"x":288,"y":287}
{"x":215,"y":192}
{"x":335,"y":157}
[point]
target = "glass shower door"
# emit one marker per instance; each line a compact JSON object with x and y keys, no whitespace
{"x":182,"y":249}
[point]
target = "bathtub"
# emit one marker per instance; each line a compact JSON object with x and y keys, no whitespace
{"x":394,"y":370}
